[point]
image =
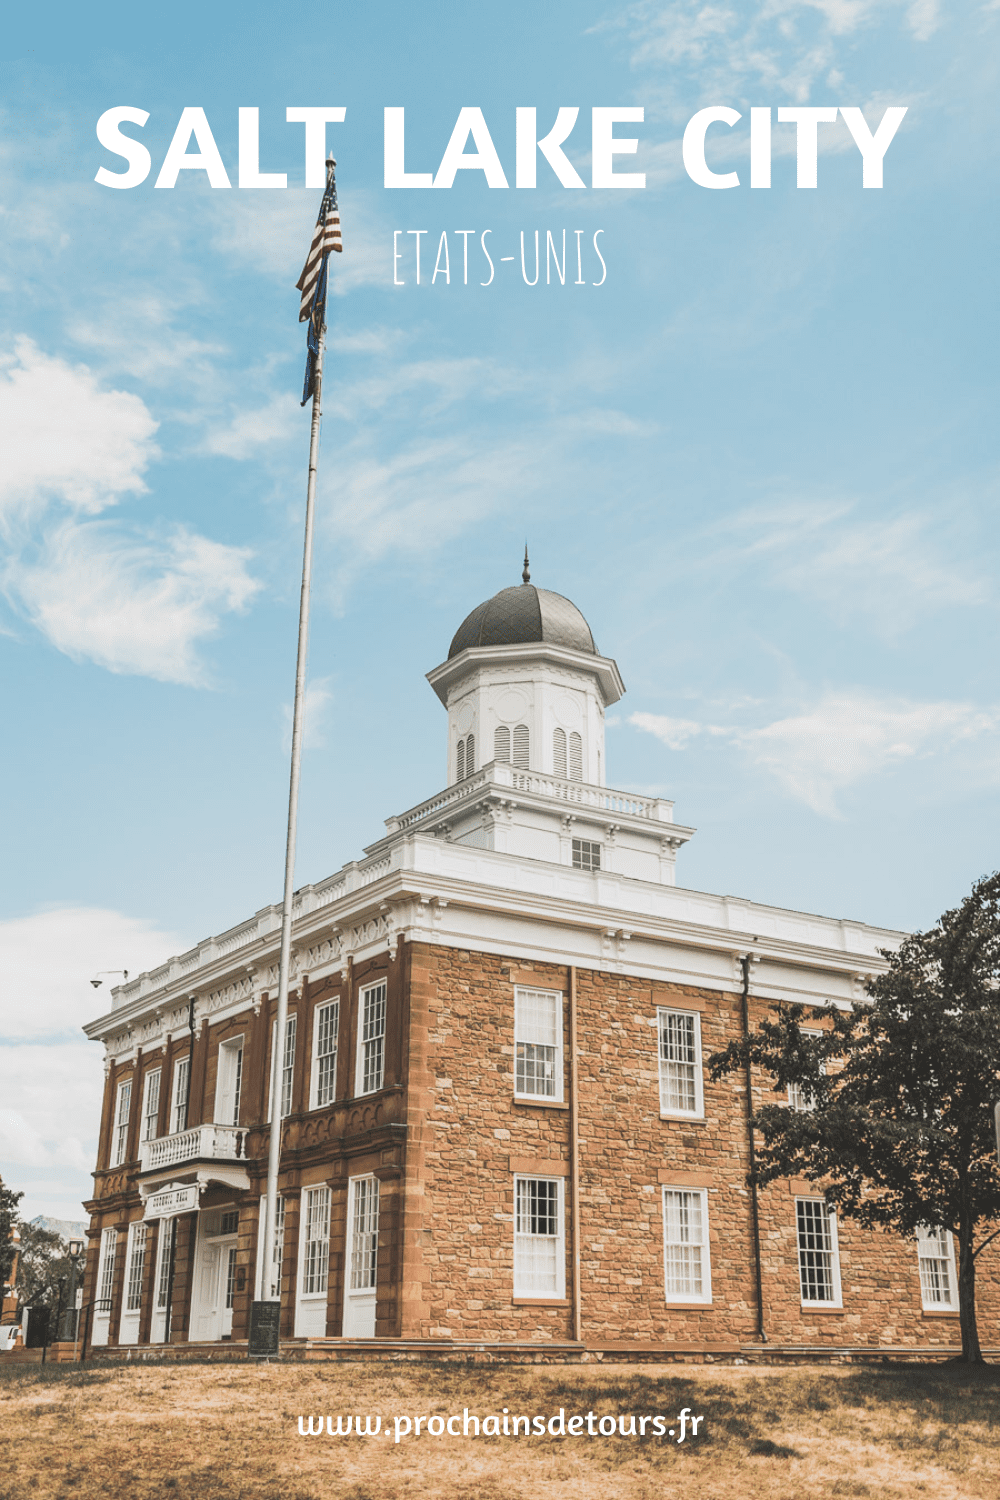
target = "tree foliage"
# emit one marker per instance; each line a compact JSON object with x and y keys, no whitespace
{"x":44,"y":1262}
{"x":900,"y":1091}
{"x":8,"y":1219}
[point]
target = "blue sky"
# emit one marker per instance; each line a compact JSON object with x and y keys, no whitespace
{"x":761,"y":457}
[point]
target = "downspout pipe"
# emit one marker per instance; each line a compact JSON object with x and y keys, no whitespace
{"x":754,"y":1204}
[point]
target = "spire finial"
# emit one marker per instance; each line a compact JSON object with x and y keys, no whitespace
{"x":526,"y":576}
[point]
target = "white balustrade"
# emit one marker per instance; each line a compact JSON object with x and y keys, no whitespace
{"x":208,"y":1142}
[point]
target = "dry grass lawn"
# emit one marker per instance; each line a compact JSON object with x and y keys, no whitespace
{"x":230,"y":1432}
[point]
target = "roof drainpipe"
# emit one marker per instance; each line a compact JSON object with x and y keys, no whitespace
{"x":754,"y":1207}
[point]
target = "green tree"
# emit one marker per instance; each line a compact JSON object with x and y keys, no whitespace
{"x":899,"y":1125}
{"x":8,"y":1220}
{"x":44,"y":1262}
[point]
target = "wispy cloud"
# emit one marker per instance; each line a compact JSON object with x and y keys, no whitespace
{"x":845,"y":738}
{"x":315,"y":716}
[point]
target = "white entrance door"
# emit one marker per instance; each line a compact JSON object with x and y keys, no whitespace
{"x":215,"y":1272}
{"x":362,"y":1258}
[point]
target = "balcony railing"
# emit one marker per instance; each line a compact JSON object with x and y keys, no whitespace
{"x":204,"y":1142}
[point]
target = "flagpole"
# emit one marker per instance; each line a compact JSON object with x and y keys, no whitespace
{"x":281,"y":1018}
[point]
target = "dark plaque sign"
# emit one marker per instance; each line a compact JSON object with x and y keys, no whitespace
{"x":264,"y":1319}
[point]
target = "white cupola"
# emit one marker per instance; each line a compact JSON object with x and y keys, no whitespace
{"x":524,"y":684}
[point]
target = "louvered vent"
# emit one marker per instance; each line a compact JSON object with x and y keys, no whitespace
{"x":575,"y":757}
{"x":460,"y":762}
{"x":559,"y":752}
{"x":501,"y":744}
{"x":520,"y":756}
{"x":470,"y":755}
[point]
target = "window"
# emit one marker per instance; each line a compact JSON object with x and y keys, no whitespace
{"x":229,"y":1082}
{"x":559,"y":752}
{"x":150,"y":1104}
{"x":539,"y":1252}
{"x":326,"y":1026}
{"x":819,"y":1261}
{"x":119,"y":1142}
{"x":460,"y":761}
{"x":229,"y":1223}
{"x":179,"y":1108}
{"x":520,"y":751}
{"x":799,"y":1098}
{"x":680,"y":1063}
{"x":315,"y":1241}
{"x":371,"y":1039}
{"x":272,"y":1291}
{"x":106,"y":1270}
{"x":470,"y":755}
{"x":936,"y":1260}
{"x":538,"y":1044}
{"x":168,"y":1236}
{"x":501,"y":744}
{"x":685,"y":1245}
{"x":136,"y":1260}
{"x":364,"y":1233}
{"x":231,"y":1277}
{"x":575,"y":757}
{"x":586,"y":855}
{"x":287,"y":1066}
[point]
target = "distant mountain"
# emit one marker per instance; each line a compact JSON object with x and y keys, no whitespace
{"x":67,"y":1229}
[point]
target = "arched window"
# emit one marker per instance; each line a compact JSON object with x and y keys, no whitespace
{"x":460,"y":762}
{"x":575,"y":757}
{"x":470,"y":755}
{"x":501,"y":744}
{"x":559,"y":752}
{"x":520,"y":756}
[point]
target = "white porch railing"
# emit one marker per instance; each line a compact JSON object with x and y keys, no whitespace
{"x":211,"y":1142}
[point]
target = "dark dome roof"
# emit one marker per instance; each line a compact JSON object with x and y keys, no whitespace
{"x":522,"y":615}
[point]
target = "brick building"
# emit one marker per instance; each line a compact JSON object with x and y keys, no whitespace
{"x":498,"y":1129}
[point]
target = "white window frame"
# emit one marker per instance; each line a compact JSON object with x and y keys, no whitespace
{"x":119,"y":1136}
{"x":151,"y":1104}
{"x":135,"y":1264}
{"x":833,"y":1251}
{"x":361,"y":1069}
{"x":583,"y":852}
{"x":524,"y":1239}
{"x":670,"y":1110}
{"x":362,"y":1267}
{"x":106,"y":1273}
{"x":272,"y":1292}
{"x":287,"y":1066}
{"x":798,"y":1099}
{"x":323,"y":1092}
{"x":523,"y":993}
{"x":671,"y":1293}
{"x":936,"y":1248}
{"x":229,"y":1081}
{"x":180,"y":1094}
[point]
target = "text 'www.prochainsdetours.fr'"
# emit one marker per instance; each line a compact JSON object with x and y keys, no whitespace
{"x":685,"y":1426}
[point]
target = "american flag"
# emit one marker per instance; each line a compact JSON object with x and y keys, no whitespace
{"x":312,"y":283}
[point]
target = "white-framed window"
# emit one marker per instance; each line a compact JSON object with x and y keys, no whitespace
{"x":800,"y":1098}
{"x":936,"y":1262}
{"x":287,"y":1066}
{"x":538,"y":1063}
{"x":135,"y":1267}
{"x":229,"y":1081}
{"x":231,"y":1277}
{"x":165,"y":1245}
{"x":326,"y":1029}
{"x":501,"y":744}
{"x":315,"y":1241}
{"x":819,"y":1256}
{"x":119,"y":1141}
{"x":179,"y":1099}
{"x":519,"y":750}
{"x":586,"y":854}
{"x":539,"y":1237}
{"x":151,"y":1104}
{"x":364,"y":1233}
{"x":106,"y":1271}
{"x":680,"y":1063}
{"x":559,"y":752}
{"x":273,"y":1289}
{"x":370,"y":1071}
{"x":686,"y":1265}
{"x":575,"y":757}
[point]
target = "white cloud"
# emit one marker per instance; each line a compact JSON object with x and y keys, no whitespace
{"x":250,"y":431}
{"x":271,"y":233}
{"x":131,"y":604}
{"x":846,"y":738}
{"x":315,"y":716}
{"x":65,"y":439}
{"x":48,"y":959}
